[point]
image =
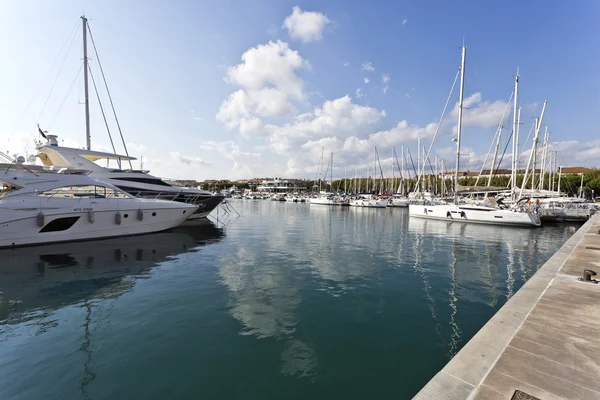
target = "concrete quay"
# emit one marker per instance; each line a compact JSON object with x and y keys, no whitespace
{"x":544,"y":343}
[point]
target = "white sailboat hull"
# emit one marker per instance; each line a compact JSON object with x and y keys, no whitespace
{"x":474,"y":215}
{"x":367,"y":203}
{"x":398,"y":203}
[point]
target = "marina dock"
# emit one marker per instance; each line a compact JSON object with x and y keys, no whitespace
{"x":544,"y":343}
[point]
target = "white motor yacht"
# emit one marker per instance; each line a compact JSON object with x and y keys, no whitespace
{"x":136,"y":182}
{"x":38,"y":207}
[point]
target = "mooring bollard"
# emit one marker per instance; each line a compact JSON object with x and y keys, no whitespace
{"x":587,"y":276}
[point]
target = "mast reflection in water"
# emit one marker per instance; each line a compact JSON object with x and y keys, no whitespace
{"x":36,"y":282}
{"x":294,"y":302}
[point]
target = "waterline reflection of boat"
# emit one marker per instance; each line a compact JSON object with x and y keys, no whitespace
{"x":54,"y":276}
{"x":476,"y":232}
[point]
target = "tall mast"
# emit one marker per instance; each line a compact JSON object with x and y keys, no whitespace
{"x":374,"y":168}
{"x":544,"y":164}
{"x":85,"y":84}
{"x":459,"y":124}
{"x":345,"y":177}
{"x":320,"y":170}
{"x":559,"y":176}
{"x":402,"y":171}
{"x":515,"y":144}
{"x":538,"y":126}
{"x":418,"y":187}
{"x":534,"y":153}
{"x":331,"y":174}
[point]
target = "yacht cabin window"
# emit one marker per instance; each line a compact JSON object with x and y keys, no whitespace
{"x":6,"y":188}
{"x":85,"y":191}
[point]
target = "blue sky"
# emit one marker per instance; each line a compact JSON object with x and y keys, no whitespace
{"x":242,"y":89}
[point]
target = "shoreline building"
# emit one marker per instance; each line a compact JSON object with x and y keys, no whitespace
{"x":281,"y":186}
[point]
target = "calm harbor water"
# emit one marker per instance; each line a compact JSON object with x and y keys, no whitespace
{"x":288,"y":301}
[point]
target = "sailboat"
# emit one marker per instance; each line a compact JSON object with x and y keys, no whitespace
{"x":472,"y":213}
{"x":399,"y":199}
{"x":137,"y":182}
{"x":370,"y":201}
{"x":326,"y":198}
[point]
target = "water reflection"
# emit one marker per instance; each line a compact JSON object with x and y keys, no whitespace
{"x":54,"y":276}
{"x":37,"y":281}
{"x":479,"y":263}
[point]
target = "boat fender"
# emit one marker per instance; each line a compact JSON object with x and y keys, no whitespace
{"x":448,"y":214}
{"x":40,"y":219}
{"x":140,"y":215}
{"x":118,"y":218}
{"x":91,"y":217}
{"x":425,"y":210}
{"x":462,"y":214}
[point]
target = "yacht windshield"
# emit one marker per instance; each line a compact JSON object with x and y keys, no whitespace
{"x":87,"y":191}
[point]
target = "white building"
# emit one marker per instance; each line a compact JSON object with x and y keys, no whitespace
{"x":280,"y":186}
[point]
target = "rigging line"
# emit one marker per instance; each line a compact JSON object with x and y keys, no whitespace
{"x":437,"y":129}
{"x":72,"y":34}
{"x":503,"y":153}
{"x":525,"y":144}
{"x":498,"y":132}
{"x":57,"y":75}
{"x":65,"y":99}
{"x":103,"y":115}
{"x":109,"y":96}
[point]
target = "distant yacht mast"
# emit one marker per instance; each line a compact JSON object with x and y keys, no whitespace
{"x":85,"y":85}
{"x":515,"y":152}
{"x":459,"y":124}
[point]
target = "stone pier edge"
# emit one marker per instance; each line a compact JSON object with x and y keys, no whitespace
{"x":462,"y":377}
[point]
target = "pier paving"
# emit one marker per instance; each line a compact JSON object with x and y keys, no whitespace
{"x":544,"y":342}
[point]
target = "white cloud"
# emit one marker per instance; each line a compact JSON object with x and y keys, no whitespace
{"x":273,"y":64}
{"x":367,"y":80}
{"x":306,"y":26}
{"x":271,"y":102}
{"x":244,"y":163}
{"x":404,"y":21}
{"x":359,"y":93}
{"x":340,"y":117}
{"x":188,"y":160}
{"x":367,"y":66}
{"x":383,"y":113}
{"x":345,"y":64}
{"x":385,"y":78}
{"x":403,"y":132}
{"x":576,"y":153}
{"x":228,"y":149}
{"x":268,"y":81}
{"x":480,"y":113}
{"x":235,"y":109}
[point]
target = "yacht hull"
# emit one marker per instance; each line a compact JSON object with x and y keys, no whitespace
{"x":26,"y":226}
{"x":398,"y":203}
{"x":474,"y":215}
{"x":367,"y":204}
